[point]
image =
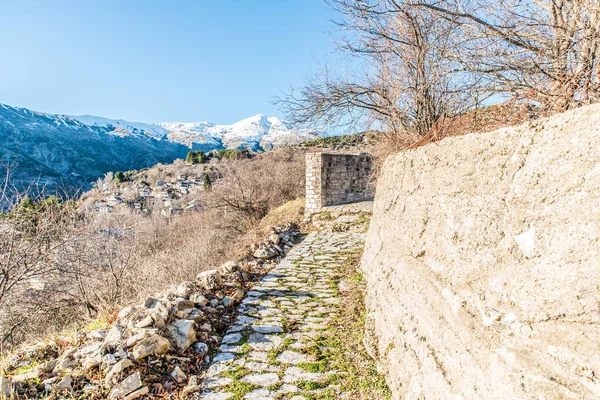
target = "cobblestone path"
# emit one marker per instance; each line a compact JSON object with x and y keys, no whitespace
{"x":266,"y":354}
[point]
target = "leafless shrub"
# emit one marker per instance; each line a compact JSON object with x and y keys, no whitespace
{"x":61,"y":265}
{"x":544,"y":51}
{"x":250,"y":188}
{"x":405,"y":75}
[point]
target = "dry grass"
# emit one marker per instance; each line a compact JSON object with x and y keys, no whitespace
{"x":344,"y":351}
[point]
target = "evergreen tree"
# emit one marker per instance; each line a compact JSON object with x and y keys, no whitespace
{"x":119,"y":177}
{"x":207,"y":182}
{"x":195,"y":157}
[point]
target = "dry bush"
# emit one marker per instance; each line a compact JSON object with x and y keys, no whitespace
{"x":62,"y":266}
{"x":391,"y":143}
{"x":291,"y":212}
{"x":251,"y":188}
{"x":31,"y":236}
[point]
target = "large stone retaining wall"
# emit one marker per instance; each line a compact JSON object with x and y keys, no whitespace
{"x":482,"y":264}
{"x":337,"y":179}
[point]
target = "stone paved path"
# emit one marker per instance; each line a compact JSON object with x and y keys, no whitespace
{"x":264,"y":355}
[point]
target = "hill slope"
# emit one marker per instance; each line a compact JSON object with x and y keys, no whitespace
{"x":56,"y":149}
{"x":76,"y":150}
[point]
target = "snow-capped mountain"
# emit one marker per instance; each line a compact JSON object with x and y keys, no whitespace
{"x":75,"y":150}
{"x":257,"y":133}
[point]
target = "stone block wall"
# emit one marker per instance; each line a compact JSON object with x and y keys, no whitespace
{"x":337,"y":179}
{"x":482,"y":264}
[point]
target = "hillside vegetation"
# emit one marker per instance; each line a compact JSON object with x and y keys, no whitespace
{"x":67,"y":263}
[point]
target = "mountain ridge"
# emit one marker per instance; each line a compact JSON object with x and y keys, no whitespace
{"x":56,"y":149}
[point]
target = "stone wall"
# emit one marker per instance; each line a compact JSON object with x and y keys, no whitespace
{"x":482,"y":264}
{"x":337,"y":179}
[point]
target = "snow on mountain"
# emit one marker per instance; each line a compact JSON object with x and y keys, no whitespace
{"x":257,"y":133}
{"x":56,"y":149}
{"x":152,"y":130}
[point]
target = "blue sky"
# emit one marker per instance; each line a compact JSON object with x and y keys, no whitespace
{"x":151,"y":61}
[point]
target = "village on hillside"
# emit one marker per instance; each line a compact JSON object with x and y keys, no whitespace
{"x":173,"y":189}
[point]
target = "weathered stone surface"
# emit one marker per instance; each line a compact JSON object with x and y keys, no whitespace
{"x":152,"y":345}
{"x":261,"y":379}
{"x":228,"y":268}
{"x":114,"y":335}
{"x":65,"y":384}
{"x":260,"y":342}
{"x":270,"y":307}
{"x":217,"y":396}
{"x":181,"y":334}
{"x":264,"y":253}
{"x":211,"y":280}
{"x":117,"y":369}
{"x":201,"y":348}
{"x":267,"y":329}
{"x":292,"y":357}
{"x":482,"y":266}
{"x":223,"y":357}
{"x":130,"y":384}
{"x":179,"y":375}
{"x":337,"y":179}
{"x":232,"y":338}
{"x":199,"y":299}
{"x":260,"y":394}
{"x":295,"y":374}
{"x":6,"y":387}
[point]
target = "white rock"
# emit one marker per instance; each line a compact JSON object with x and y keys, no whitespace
{"x":216,"y":396}
{"x":201,"y":348}
{"x":124,"y":313}
{"x":152,"y":345}
{"x":66,"y":383}
{"x":144,"y":323}
{"x":526,"y":242}
{"x":260,"y":342}
{"x":181,"y":334}
{"x":295,"y":374}
{"x":179,"y":375}
{"x":211,"y":280}
{"x":228,"y":268}
{"x":261,"y":379}
{"x":184,"y":291}
{"x":292,"y":357}
{"x":264,"y":254}
{"x":114,"y":335}
{"x":260,"y":394}
{"x":130,"y":384}
{"x":199,"y":299}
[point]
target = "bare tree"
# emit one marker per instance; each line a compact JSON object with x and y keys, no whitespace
{"x":250,"y":188}
{"x":545,"y":51}
{"x":408,"y":75}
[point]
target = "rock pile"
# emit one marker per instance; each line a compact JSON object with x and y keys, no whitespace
{"x":152,"y":348}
